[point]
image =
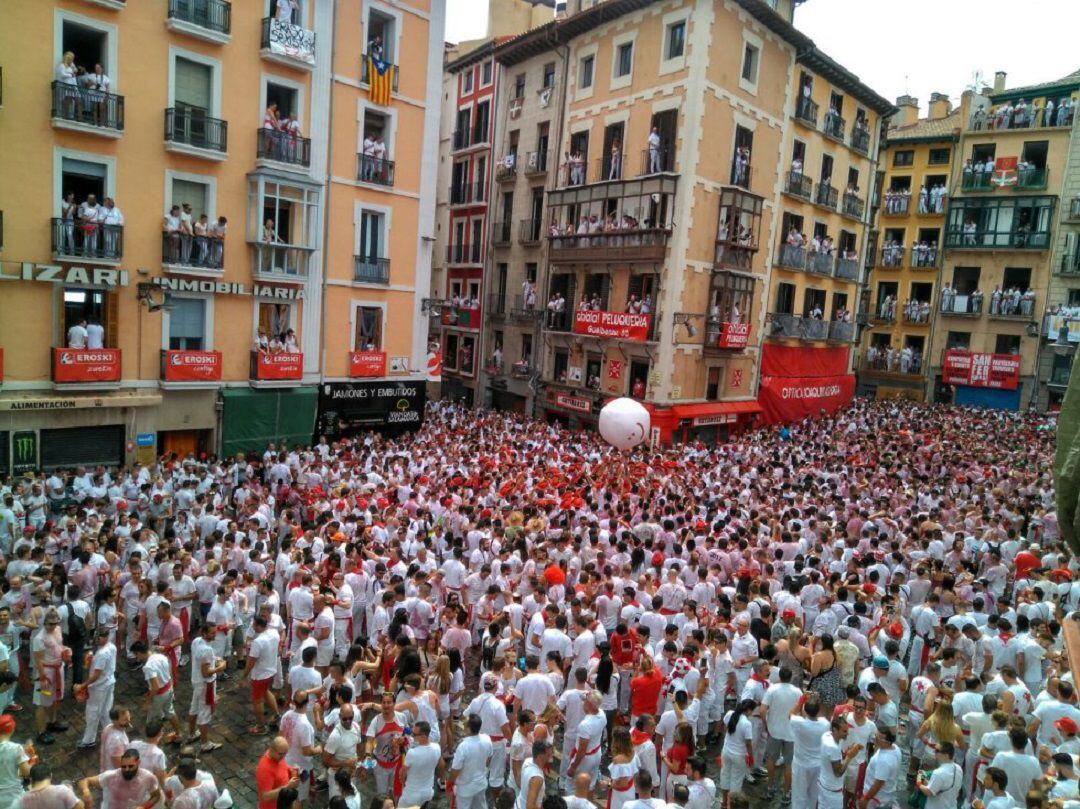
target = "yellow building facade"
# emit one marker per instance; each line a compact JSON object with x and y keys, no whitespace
{"x":128,"y":326}
{"x":908,"y":247}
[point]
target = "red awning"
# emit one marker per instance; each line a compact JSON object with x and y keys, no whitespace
{"x":694,"y":411}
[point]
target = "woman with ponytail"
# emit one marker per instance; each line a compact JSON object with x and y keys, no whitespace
{"x":737,"y":755}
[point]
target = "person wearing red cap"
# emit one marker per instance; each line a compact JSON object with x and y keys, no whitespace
{"x":14,"y":763}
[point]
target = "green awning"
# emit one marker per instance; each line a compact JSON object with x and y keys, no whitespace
{"x":253,"y":418}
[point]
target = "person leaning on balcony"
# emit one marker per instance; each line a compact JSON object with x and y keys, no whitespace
{"x":88,"y":222}
{"x":289,"y":342}
{"x":202,"y":246}
{"x":378,"y":152}
{"x":270,"y":128}
{"x":67,"y":74}
{"x":68,"y":211}
{"x":262,"y":342}
{"x":77,"y":334}
{"x":112,"y":220}
{"x":187,"y":232}
{"x":95,"y":334}
{"x":170,"y":226}
{"x":217,"y":241}
{"x":98,"y":84}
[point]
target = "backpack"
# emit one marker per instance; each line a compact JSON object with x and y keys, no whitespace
{"x":77,"y":633}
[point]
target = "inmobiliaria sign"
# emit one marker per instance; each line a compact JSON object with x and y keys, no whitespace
{"x":733,"y":335}
{"x":86,"y":365}
{"x":614,"y":325}
{"x":981,"y":370}
{"x":192,"y":366}
{"x":367,"y":363}
{"x":278,"y":366}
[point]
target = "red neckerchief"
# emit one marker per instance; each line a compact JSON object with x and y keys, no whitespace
{"x":639,"y":736}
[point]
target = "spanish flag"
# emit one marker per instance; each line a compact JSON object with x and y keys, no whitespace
{"x":380,"y":80}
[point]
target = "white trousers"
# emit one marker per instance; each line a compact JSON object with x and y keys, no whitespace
{"x":98,"y":705}
{"x":804,"y":784}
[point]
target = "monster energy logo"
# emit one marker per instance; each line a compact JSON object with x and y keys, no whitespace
{"x":24,"y":451}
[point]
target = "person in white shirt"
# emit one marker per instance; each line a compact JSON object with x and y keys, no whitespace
{"x":590,"y":736}
{"x":776,"y":707}
{"x":422,"y":760}
{"x":495,"y":725}
{"x":469,"y":768}
{"x":737,"y":754}
{"x":835,"y":760}
{"x":299,"y":732}
{"x":942,"y":787}
{"x":261,"y":666}
{"x":1022,"y":768}
{"x":100,"y":687}
{"x":205,"y":668}
{"x":807,"y":730}
{"x":77,"y":334}
{"x":879,"y":786}
{"x":531,"y":794}
{"x":341,"y":748}
{"x":112,"y":220}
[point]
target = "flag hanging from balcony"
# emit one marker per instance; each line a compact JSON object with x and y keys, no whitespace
{"x":380,"y":80}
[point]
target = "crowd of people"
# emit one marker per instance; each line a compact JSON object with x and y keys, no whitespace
{"x":281,"y":136}
{"x":954,"y":301}
{"x":1024,"y":114}
{"x":89,"y":228}
{"x":194,"y":242}
{"x":849,"y":609}
{"x":907,"y":360}
{"x":83,"y":95}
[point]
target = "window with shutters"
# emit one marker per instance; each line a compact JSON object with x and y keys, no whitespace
{"x":193,"y":84}
{"x":367,"y":328}
{"x":372,"y":235}
{"x":187,"y":324}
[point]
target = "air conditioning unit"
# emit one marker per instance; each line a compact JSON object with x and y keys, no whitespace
{"x":515,"y":108}
{"x":545,"y":96}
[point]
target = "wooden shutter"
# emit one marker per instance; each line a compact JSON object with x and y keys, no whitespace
{"x":112,"y":319}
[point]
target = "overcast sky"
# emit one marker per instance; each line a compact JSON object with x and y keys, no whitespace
{"x":914,"y":46}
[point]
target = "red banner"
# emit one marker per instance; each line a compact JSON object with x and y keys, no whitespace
{"x":278,"y":366}
{"x":192,"y":366}
{"x":367,"y":363}
{"x":616,"y":325}
{"x":1005,"y":171}
{"x":733,"y":335}
{"x":981,"y":370}
{"x":86,"y":365}
{"x":576,"y":403}
{"x":778,"y":360}
{"x":785,"y":399}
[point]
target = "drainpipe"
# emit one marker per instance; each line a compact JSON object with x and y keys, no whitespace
{"x":326,"y":197}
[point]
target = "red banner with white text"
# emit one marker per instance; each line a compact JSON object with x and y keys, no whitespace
{"x":192,"y":366}
{"x":784,"y":399}
{"x":777,"y":360}
{"x":616,"y":325}
{"x":73,"y":365}
{"x":367,"y":363}
{"x":981,"y":370}
{"x":733,"y":335}
{"x":278,"y":366}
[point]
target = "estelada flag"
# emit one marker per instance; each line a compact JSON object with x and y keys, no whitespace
{"x":380,"y":81}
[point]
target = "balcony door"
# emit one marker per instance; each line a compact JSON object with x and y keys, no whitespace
{"x":612,"y":158}
{"x":372,"y":246}
{"x":666,"y":123}
{"x":91,"y":307}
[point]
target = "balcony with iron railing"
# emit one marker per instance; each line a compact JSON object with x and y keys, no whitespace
{"x":917,"y":313}
{"x":791,"y":256}
{"x":971,"y":238}
{"x":209,"y":20}
{"x":834,"y":126}
{"x":375,"y":170}
{"x":806,"y":111}
{"x":924,"y":258}
{"x":525,"y":312}
{"x":190,"y":130}
{"x":741,"y":174}
{"x":847,"y":268}
{"x":196,"y":255}
{"x":86,"y":110}
{"x":892,"y":363}
{"x":462,"y":316}
{"x":76,"y":240}
{"x":960,"y":305}
{"x":892,"y":257}
{"x":734,"y":255}
{"x":976,"y":181}
{"x":463,"y":253}
{"x":820,"y":263}
{"x":521,"y":370}
{"x":642,"y":245}
{"x":610,"y":167}
{"x":654,"y":161}
{"x":283,"y":148}
{"x":895,"y":203}
{"x":500,"y":234}
{"x":798,"y":184}
{"x":841,"y":331}
{"x":496,"y":305}
{"x":365,"y":73}
{"x":506,"y":169}
{"x":1032,"y":179}
{"x":860,"y":139}
{"x":529,"y":231}
{"x":826,"y":195}
{"x":461,"y":139}
{"x":853,"y":205}
{"x":799,"y":327}
{"x":1070,"y":264}
{"x":536,"y":163}
{"x":371,"y":270}
{"x":288,"y":44}
{"x":1010,"y":307}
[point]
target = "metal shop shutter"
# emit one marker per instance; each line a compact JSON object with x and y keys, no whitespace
{"x":82,"y":446}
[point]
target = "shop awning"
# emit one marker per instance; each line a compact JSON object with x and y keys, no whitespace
{"x":696,"y":411}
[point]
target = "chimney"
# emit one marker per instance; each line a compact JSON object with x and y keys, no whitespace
{"x":999,"y":81}
{"x":909,"y":110}
{"x":940,"y":106}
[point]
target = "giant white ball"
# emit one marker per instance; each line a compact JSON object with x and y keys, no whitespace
{"x":624,"y":423}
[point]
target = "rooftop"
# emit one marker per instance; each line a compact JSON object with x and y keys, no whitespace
{"x":1064,"y":84}
{"x":944,"y":128}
